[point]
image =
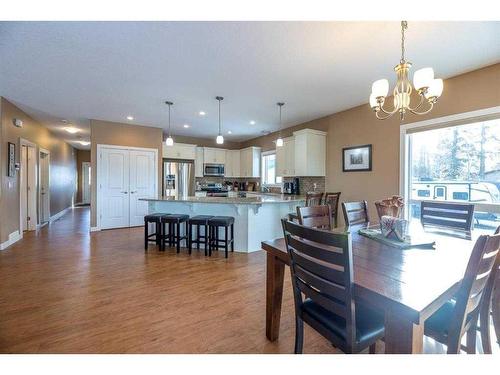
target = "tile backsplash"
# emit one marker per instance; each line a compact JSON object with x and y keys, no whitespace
{"x":308,"y":184}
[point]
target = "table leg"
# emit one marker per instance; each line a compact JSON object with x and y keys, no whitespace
{"x":275,"y":270}
{"x":402,"y":336}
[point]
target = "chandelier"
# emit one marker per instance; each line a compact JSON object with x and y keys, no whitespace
{"x":429,"y":89}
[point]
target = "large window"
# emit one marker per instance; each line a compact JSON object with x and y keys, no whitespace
{"x":269,"y":169}
{"x":457,"y":164}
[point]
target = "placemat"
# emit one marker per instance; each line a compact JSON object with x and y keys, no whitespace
{"x":417,"y":242}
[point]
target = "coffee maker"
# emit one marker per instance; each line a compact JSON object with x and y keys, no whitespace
{"x":291,"y":187}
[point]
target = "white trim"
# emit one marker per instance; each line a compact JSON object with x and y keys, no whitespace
{"x":60,"y":214}
{"x":47,"y":152}
{"x":94,"y":229}
{"x":85,"y":164}
{"x":26,"y":143}
{"x":404,"y":146}
{"x":13,"y":238}
{"x":100,"y":147}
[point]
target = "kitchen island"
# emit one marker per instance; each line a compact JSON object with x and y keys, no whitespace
{"x":257,"y":217}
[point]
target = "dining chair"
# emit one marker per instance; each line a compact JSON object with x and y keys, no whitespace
{"x":322,"y":270}
{"x":355,"y":212}
{"x":459,"y":316}
{"x":332,"y":199}
{"x":447,"y":215}
{"x":312,"y":199}
{"x":490,"y":301}
{"x":315,"y":217}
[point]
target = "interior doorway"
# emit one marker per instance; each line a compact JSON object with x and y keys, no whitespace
{"x":86,"y":181}
{"x":28,"y":186}
{"x":44,"y":186}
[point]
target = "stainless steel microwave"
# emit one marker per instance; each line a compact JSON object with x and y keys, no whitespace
{"x":213,"y":170}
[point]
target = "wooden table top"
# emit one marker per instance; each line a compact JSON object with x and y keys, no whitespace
{"x":413,"y":281}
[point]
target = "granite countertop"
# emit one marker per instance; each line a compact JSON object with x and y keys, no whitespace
{"x":254,"y":199}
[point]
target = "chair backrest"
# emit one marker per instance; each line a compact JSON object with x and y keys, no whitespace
{"x":469,"y":296}
{"x":322,"y":269}
{"x":315,"y":216}
{"x":355,"y":212}
{"x":313,"y":199}
{"x":332,"y":199}
{"x":447,"y":215}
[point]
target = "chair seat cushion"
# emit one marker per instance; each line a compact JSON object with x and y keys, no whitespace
{"x":221,"y":220}
{"x":156,"y":217}
{"x":200,"y":219}
{"x":369,"y":323}
{"x":174,"y":218}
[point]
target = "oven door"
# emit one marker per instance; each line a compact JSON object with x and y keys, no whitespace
{"x":214,"y":170}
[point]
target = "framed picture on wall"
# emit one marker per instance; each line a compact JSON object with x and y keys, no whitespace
{"x":11,"y":160}
{"x":357,"y":158}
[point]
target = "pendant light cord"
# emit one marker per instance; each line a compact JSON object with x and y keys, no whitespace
{"x":219,"y":98}
{"x":219,"y":119}
{"x":280,"y":104}
{"x":169,"y":123}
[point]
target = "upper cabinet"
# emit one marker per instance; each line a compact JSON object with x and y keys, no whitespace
{"x":179,"y":151}
{"x":250,"y":162}
{"x":198,"y":162}
{"x":285,"y":158}
{"x":214,"y":155}
{"x":232,"y":167}
{"x":304,"y":154}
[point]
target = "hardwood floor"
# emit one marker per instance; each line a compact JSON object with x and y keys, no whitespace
{"x":63,"y":290}
{"x":66,"y":291}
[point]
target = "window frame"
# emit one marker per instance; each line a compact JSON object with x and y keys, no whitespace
{"x":406,"y":130}
{"x":262,"y":155}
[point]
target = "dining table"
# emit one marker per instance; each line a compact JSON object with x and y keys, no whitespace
{"x":407,"y":285}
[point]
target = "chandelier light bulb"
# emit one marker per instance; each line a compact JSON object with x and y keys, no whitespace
{"x":279,"y":142}
{"x":435,"y":89}
{"x":219,"y":139}
{"x":373,"y":101}
{"x":380,"y":88}
{"x":423,"y":78}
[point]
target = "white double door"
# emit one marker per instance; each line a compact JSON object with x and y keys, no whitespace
{"x":126,"y":175}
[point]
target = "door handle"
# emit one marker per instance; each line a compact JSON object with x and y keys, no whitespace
{"x":124,"y":192}
{"x":133,"y":192}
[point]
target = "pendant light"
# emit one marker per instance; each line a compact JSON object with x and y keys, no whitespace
{"x":279,"y":141}
{"x":220,"y":138}
{"x":169,"y":141}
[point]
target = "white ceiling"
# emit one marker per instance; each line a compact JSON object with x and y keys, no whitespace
{"x":108,"y":70}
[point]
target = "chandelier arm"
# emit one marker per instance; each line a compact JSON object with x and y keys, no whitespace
{"x":418,"y":105}
{"x":415,"y":112}
{"x":390,"y":113}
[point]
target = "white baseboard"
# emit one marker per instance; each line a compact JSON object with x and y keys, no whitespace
{"x":59,"y":214}
{"x":13,"y":238}
{"x":95,"y":229}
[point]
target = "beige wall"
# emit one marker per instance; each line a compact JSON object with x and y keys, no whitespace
{"x":62,"y":167}
{"x":118,"y":134}
{"x":81,"y":157}
{"x":467,"y":92}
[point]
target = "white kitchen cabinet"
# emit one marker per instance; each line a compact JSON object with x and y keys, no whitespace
{"x":310,"y":153}
{"x":304,"y":154}
{"x":250,"y":162}
{"x":198,"y":162}
{"x":285,"y":158}
{"x":214,"y":155}
{"x":179,"y":151}
{"x":232,"y":166}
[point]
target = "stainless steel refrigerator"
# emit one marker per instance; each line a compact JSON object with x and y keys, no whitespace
{"x":178,"y":178}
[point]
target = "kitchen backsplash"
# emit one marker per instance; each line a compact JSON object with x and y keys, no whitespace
{"x":206,"y":180}
{"x":308,"y":184}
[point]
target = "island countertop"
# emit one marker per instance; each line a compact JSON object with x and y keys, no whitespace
{"x":251,"y":198}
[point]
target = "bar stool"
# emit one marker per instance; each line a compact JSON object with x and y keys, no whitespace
{"x":198,"y":221}
{"x":174,"y":230}
{"x":214,"y":242}
{"x":154,"y":237}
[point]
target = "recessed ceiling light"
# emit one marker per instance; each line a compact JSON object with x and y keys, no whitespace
{"x":72,"y":130}
{"x":202,"y":113}
{"x":130,"y":118}
{"x":84,"y":143}
{"x":186,"y":126}
{"x":229,"y":132}
{"x":252,"y":122}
